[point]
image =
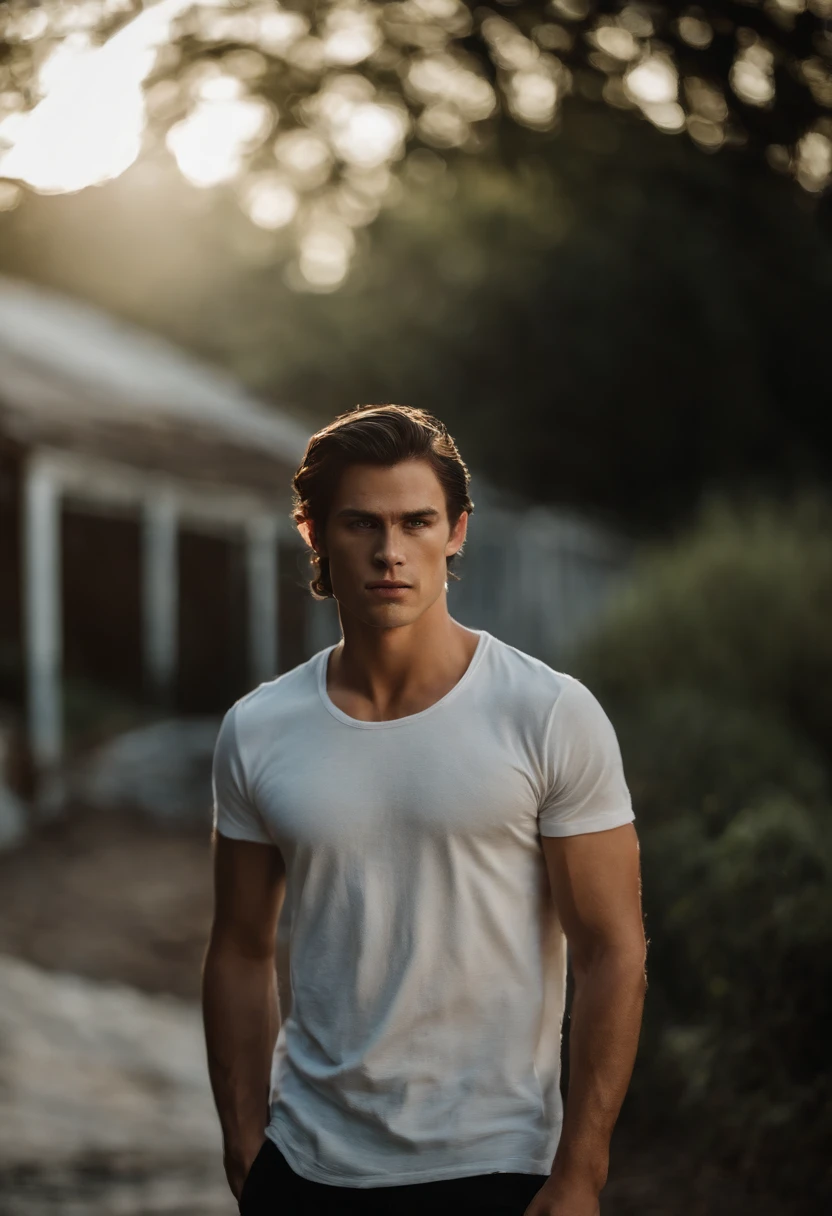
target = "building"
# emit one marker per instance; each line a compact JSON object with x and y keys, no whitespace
{"x":145,"y":538}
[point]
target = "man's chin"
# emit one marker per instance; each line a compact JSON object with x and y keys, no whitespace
{"x":389,"y":615}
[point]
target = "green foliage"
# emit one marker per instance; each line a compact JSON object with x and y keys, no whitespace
{"x":739,"y":609}
{"x":716,"y":666}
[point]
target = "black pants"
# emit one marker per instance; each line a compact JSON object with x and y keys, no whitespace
{"x":272,"y":1188}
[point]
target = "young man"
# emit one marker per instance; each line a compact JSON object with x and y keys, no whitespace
{"x":417,"y":820}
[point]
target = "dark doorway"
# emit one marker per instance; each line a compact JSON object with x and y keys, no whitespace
{"x":212,"y":623}
{"x":101,"y":588}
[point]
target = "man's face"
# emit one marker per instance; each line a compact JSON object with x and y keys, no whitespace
{"x":389,"y":525}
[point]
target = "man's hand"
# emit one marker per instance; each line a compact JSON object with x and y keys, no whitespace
{"x":238,"y":1161}
{"x":558,"y":1198}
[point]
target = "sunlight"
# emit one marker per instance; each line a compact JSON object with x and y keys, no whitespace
{"x":270,"y":201}
{"x":354,"y":208}
{"x":752,"y":75}
{"x":533,"y":97}
{"x":654,"y":81}
{"x":371,"y":135}
{"x":278,"y":31}
{"x":325,"y":251}
{"x":351,"y":35}
{"x":88,"y":127}
{"x":209,"y":145}
{"x":9,"y":196}
{"x":509,"y":47}
{"x":443,"y":126}
{"x":441,"y":77}
{"x":616,"y":41}
{"x":695,"y":31}
{"x":667,"y":116}
{"x":814,"y":161}
{"x":304,"y":157}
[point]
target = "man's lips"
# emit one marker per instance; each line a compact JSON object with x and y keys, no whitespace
{"x":387,"y":585}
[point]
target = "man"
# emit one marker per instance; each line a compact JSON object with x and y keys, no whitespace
{"x":418,"y":818}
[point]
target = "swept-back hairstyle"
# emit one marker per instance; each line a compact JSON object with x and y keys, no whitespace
{"x":381,"y":435}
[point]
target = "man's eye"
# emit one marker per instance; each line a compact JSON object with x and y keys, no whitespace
{"x":411,"y":523}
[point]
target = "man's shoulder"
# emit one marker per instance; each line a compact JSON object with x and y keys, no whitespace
{"x":556,"y":699}
{"x":293,"y":692}
{"x":535,"y":682}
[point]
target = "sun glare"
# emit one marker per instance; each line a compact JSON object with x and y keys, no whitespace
{"x":210,"y":144}
{"x":89,"y":124}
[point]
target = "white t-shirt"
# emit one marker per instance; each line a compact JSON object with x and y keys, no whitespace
{"x":421,"y":966}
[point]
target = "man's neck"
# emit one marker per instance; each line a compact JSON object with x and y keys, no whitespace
{"x":381,"y":674}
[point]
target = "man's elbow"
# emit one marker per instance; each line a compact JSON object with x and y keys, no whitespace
{"x":625,"y":960}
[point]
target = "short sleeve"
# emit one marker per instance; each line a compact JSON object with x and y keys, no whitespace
{"x":235,"y":814}
{"x":586,"y":790}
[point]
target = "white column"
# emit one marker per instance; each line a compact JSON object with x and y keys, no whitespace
{"x":43,"y":613}
{"x":160,"y":592}
{"x":262,"y":597}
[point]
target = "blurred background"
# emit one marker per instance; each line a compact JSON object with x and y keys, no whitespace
{"x":596,"y":240}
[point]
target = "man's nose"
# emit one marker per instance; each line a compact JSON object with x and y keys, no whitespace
{"x":389,"y":550}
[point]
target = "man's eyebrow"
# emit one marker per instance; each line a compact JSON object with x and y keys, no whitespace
{"x":355,"y":513}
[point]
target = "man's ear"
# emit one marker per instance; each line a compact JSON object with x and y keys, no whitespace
{"x":306,"y":527}
{"x":458,"y":534}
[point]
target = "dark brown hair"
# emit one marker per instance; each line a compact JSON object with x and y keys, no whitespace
{"x":382,"y":435}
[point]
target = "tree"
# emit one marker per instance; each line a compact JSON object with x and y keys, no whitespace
{"x":312,"y":109}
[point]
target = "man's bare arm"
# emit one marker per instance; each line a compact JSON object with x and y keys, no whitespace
{"x":239,"y":994}
{"x":596,"y":887}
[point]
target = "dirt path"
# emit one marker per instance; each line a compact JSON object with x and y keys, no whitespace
{"x":110,"y":897}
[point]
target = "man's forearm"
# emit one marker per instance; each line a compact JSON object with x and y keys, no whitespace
{"x":604,"y":1032}
{"x":240,"y":1011}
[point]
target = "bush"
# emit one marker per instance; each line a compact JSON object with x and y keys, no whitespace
{"x":740,"y":608}
{"x":715,"y":664}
